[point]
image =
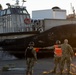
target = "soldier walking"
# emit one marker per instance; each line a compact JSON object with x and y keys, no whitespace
{"x":67,"y":54}
{"x":31,"y":58}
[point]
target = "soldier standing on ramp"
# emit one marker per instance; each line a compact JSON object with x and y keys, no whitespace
{"x":67,"y":54}
{"x":31,"y":58}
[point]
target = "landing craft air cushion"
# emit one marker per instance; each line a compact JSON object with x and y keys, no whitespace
{"x":17,"y":30}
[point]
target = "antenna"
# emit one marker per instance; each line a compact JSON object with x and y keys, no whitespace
{"x":17,"y":2}
{"x":23,"y":2}
{"x":73,"y":10}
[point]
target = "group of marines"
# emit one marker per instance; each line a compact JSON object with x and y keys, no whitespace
{"x":62,"y":53}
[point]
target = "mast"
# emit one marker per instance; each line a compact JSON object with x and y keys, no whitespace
{"x":23,"y":2}
{"x":17,"y":2}
{"x":73,"y":10}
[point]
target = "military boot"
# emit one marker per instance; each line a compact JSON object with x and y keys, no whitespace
{"x":31,"y":73}
{"x":53,"y":71}
{"x":61,"y":71}
{"x":27,"y":73}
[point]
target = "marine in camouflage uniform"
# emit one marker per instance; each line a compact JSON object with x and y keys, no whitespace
{"x":67,"y":54}
{"x":56,"y":57}
{"x":30,"y":58}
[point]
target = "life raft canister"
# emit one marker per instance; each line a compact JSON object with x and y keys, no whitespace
{"x":58,"y":51}
{"x":27,"y":21}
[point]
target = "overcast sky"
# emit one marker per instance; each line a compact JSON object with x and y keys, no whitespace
{"x":32,"y":5}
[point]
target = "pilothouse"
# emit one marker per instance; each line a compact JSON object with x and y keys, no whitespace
{"x":15,"y":19}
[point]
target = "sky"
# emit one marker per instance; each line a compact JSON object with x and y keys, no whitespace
{"x":32,"y":5}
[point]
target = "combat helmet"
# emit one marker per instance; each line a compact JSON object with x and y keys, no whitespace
{"x":31,"y":43}
{"x":58,"y":42}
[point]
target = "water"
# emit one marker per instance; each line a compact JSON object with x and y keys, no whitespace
{"x":4,"y":55}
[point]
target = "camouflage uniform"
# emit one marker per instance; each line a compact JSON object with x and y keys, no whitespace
{"x":56,"y":58}
{"x":67,"y":54}
{"x":56,"y":62}
{"x":30,"y":61}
